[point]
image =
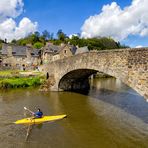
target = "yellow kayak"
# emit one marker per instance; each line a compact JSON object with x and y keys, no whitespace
{"x":30,"y":121}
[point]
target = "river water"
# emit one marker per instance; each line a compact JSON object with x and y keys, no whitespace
{"x":110,"y":115}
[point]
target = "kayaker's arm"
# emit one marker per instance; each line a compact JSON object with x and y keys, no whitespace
{"x":29,"y":110}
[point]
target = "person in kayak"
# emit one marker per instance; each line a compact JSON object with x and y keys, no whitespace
{"x":38,"y":114}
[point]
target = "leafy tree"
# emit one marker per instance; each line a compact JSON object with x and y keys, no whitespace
{"x":51,"y":36}
{"x":33,"y":39}
{"x":1,"y":41}
{"x":61,"y":35}
{"x":37,"y":34}
{"x":46,"y":34}
{"x":42,"y":40}
{"x":38,"y":45}
{"x":14,"y":41}
{"x":56,"y":42}
{"x":22,"y":42}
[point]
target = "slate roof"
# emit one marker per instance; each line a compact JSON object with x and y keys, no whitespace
{"x":50,"y":48}
{"x":16,"y":50}
{"x":35,"y":52}
{"x":73,"y":49}
{"x":19,"y":50}
{"x":82,"y":50}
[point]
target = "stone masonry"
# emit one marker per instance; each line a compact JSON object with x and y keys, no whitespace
{"x":128,"y":65}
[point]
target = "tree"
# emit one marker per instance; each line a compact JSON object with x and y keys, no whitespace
{"x":51,"y":36}
{"x":37,"y":34}
{"x":42,"y":40}
{"x":33,"y":39}
{"x":1,"y":41}
{"x":38,"y":45}
{"x":14,"y":41}
{"x":46,"y":34}
{"x":61,"y":35}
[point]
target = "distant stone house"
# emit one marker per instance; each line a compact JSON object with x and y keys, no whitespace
{"x":66,"y":51}
{"x":20,"y":56}
{"x":48,"y":52}
{"x":53,"y":53}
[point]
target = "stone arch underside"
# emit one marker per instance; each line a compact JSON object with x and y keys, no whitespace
{"x":76,"y":80}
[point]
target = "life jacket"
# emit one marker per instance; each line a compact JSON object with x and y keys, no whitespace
{"x":39,"y":114}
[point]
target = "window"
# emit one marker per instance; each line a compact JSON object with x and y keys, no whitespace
{"x":13,"y":52}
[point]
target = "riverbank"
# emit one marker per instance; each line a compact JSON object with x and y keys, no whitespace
{"x":17,"y":79}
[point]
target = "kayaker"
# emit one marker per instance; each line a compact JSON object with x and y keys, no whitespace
{"x":38,"y":114}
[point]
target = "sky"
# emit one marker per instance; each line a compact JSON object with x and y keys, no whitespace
{"x":125,"y":21}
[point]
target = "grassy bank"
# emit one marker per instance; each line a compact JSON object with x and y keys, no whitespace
{"x":17,"y":79}
{"x":20,"y":82}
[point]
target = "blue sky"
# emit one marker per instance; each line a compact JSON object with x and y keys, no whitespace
{"x":68,"y":15}
{"x":73,"y":16}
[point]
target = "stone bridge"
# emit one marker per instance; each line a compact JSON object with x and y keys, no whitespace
{"x":128,"y":65}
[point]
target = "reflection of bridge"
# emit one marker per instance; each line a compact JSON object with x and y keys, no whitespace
{"x":128,"y":65}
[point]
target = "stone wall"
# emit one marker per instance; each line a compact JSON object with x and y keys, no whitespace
{"x":16,"y":62}
{"x":65,"y":52}
{"x":128,"y":65}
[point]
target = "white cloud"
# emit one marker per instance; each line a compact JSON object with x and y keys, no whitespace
{"x":9,"y":30}
{"x":24,"y":28}
{"x":9,"y":10}
{"x":139,"y":46}
{"x":71,"y":35}
{"x":118,"y":23}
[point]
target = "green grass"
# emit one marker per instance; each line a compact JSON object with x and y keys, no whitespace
{"x":17,"y":73}
{"x":20,"y":82}
{"x":8,"y":73}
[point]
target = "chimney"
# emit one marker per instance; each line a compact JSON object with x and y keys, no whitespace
{"x":9,"y":50}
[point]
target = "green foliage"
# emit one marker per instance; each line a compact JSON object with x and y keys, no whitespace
{"x":20,"y":82}
{"x":46,"y":34}
{"x":95,"y":43}
{"x":56,"y":42}
{"x":9,"y":73}
{"x":13,"y":41}
{"x":61,"y":35}
{"x":38,"y":40}
{"x":1,"y":41}
{"x":38,"y":45}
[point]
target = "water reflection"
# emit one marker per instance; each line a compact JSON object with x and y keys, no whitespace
{"x":120,"y":95}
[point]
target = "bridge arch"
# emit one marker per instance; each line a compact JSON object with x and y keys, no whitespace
{"x":128,"y":65}
{"x":76,"y":80}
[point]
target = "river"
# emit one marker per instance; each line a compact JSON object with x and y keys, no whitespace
{"x":110,"y":115}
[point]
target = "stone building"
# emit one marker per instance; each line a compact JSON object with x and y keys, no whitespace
{"x":53,"y":53}
{"x":48,"y":52}
{"x":66,"y":51}
{"x":20,"y":56}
